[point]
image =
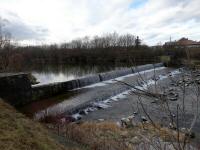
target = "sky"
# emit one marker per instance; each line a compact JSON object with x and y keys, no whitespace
{"x":57,"y":21}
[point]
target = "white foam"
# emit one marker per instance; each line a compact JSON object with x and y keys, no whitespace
{"x":124,"y":94}
{"x":104,"y":83}
{"x":101,"y":105}
{"x":76,"y":116}
{"x":104,"y":104}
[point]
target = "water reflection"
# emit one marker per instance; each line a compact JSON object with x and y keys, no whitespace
{"x":54,"y":73}
{"x":36,"y":108}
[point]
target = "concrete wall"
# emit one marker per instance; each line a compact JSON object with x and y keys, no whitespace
{"x":142,"y":68}
{"x":88,"y":80}
{"x":158,"y":65}
{"x":114,"y":74}
{"x":44,"y":91}
{"x":16,"y":88}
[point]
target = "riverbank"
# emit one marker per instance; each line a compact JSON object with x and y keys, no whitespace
{"x":20,"y":133}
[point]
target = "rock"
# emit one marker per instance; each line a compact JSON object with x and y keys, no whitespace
{"x":125,"y":122}
{"x":108,"y":102}
{"x":118,"y":124}
{"x":134,"y":123}
{"x":180,"y":82}
{"x":172,"y":126}
{"x":143,"y":118}
{"x":173,"y":115}
{"x":176,"y":95}
{"x":131,"y":117}
{"x":76,"y":116}
{"x":100,"y":120}
{"x":173,"y":84}
{"x":124,"y":133}
{"x":100,"y":105}
{"x":32,"y":79}
{"x":79,"y":122}
{"x":173,"y":99}
{"x":91,"y":109}
{"x":62,"y":120}
{"x":171,"y":89}
{"x":184,"y":130}
{"x":83,"y":112}
{"x":69,"y":119}
{"x":191,"y":135}
{"x":135,"y":140}
{"x":155,"y":78}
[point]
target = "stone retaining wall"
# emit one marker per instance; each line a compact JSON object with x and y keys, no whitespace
{"x":14,"y":87}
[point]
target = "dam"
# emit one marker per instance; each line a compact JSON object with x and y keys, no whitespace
{"x":69,"y":97}
{"x":77,"y":94}
{"x":110,"y":96}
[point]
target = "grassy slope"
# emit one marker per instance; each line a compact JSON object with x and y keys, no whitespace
{"x":19,"y":133}
{"x":108,"y":135}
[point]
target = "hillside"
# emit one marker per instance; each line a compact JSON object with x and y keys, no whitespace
{"x":20,"y":133}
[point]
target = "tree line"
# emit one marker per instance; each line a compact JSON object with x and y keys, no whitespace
{"x":108,"y":49}
{"x":109,"y":40}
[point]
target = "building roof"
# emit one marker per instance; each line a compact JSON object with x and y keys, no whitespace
{"x":183,"y":42}
{"x":186,"y":42}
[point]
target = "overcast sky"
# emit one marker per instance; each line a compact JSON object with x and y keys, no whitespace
{"x":44,"y":21}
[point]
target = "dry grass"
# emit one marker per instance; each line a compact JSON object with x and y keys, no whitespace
{"x":108,"y":135}
{"x":19,"y":133}
{"x":98,"y":136}
{"x":164,"y":133}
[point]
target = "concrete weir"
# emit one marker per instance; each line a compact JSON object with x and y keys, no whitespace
{"x":17,"y":89}
{"x":114,"y":74}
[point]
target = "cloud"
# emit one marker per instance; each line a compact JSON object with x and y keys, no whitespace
{"x":19,"y":30}
{"x":57,"y":21}
{"x":158,"y":20}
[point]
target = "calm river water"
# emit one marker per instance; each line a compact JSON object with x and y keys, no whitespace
{"x":50,"y":74}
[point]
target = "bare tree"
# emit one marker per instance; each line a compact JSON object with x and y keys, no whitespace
{"x":5,"y":46}
{"x":180,"y":125}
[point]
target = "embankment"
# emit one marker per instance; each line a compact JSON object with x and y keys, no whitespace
{"x":21,"y":133}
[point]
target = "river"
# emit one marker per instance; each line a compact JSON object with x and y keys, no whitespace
{"x":59,"y":73}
